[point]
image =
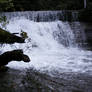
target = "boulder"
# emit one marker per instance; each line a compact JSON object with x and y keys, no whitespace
{"x":6,"y":37}
{"x":15,"y":55}
{"x":88,"y":34}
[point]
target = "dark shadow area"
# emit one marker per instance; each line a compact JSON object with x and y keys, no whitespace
{"x":34,"y":81}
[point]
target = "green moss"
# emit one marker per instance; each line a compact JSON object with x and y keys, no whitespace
{"x":6,"y":37}
{"x":6,"y":5}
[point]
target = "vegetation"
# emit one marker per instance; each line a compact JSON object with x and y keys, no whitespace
{"x":23,"y":34}
{"x":21,"y":5}
{"x":47,"y":4}
{"x":6,"y":5}
{"x":3,"y":21}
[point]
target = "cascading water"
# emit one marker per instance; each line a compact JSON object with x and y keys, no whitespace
{"x":43,"y":16}
{"x":51,"y":46}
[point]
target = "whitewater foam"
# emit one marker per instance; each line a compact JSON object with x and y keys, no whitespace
{"x":52,"y":47}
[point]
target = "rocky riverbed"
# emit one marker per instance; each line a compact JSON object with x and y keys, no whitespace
{"x":30,"y":80}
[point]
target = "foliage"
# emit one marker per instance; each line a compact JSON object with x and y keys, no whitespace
{"x":23,"y":34}
{"x":21,"y":5}
{"x":6,"y":5}
{"x":3,"y":21}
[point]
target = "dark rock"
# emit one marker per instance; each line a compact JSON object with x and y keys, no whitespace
{"x":6,"y":37}
{"x":15,"y":33}
{"x":16,"y":55}
{"x":85,"y":15}
{"x":77,"y":91}
{"x":88,"y":33}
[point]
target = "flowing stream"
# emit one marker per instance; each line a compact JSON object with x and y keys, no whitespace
{"x":53,"y":47}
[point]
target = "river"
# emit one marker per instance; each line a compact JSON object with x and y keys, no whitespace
{"x":58,"y":61}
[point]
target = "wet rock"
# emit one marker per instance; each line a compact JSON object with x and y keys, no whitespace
{"x":16,"y":55}
{"x":77,"y":91}
{"x":6,"y":37}
{"x":88,"y":33}
{"x":85,"y":15}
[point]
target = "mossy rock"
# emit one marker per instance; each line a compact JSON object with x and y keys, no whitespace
{"x":6,"y":37}
{"x":15,"y":55}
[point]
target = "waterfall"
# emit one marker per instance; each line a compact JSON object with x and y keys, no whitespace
{"x":51,"y":43}
{"x":43,"y":16}
{"x":79,"y":34}
{"x":59,"y":33}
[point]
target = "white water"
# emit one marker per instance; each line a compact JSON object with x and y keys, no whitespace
{"x":49,"y":51}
